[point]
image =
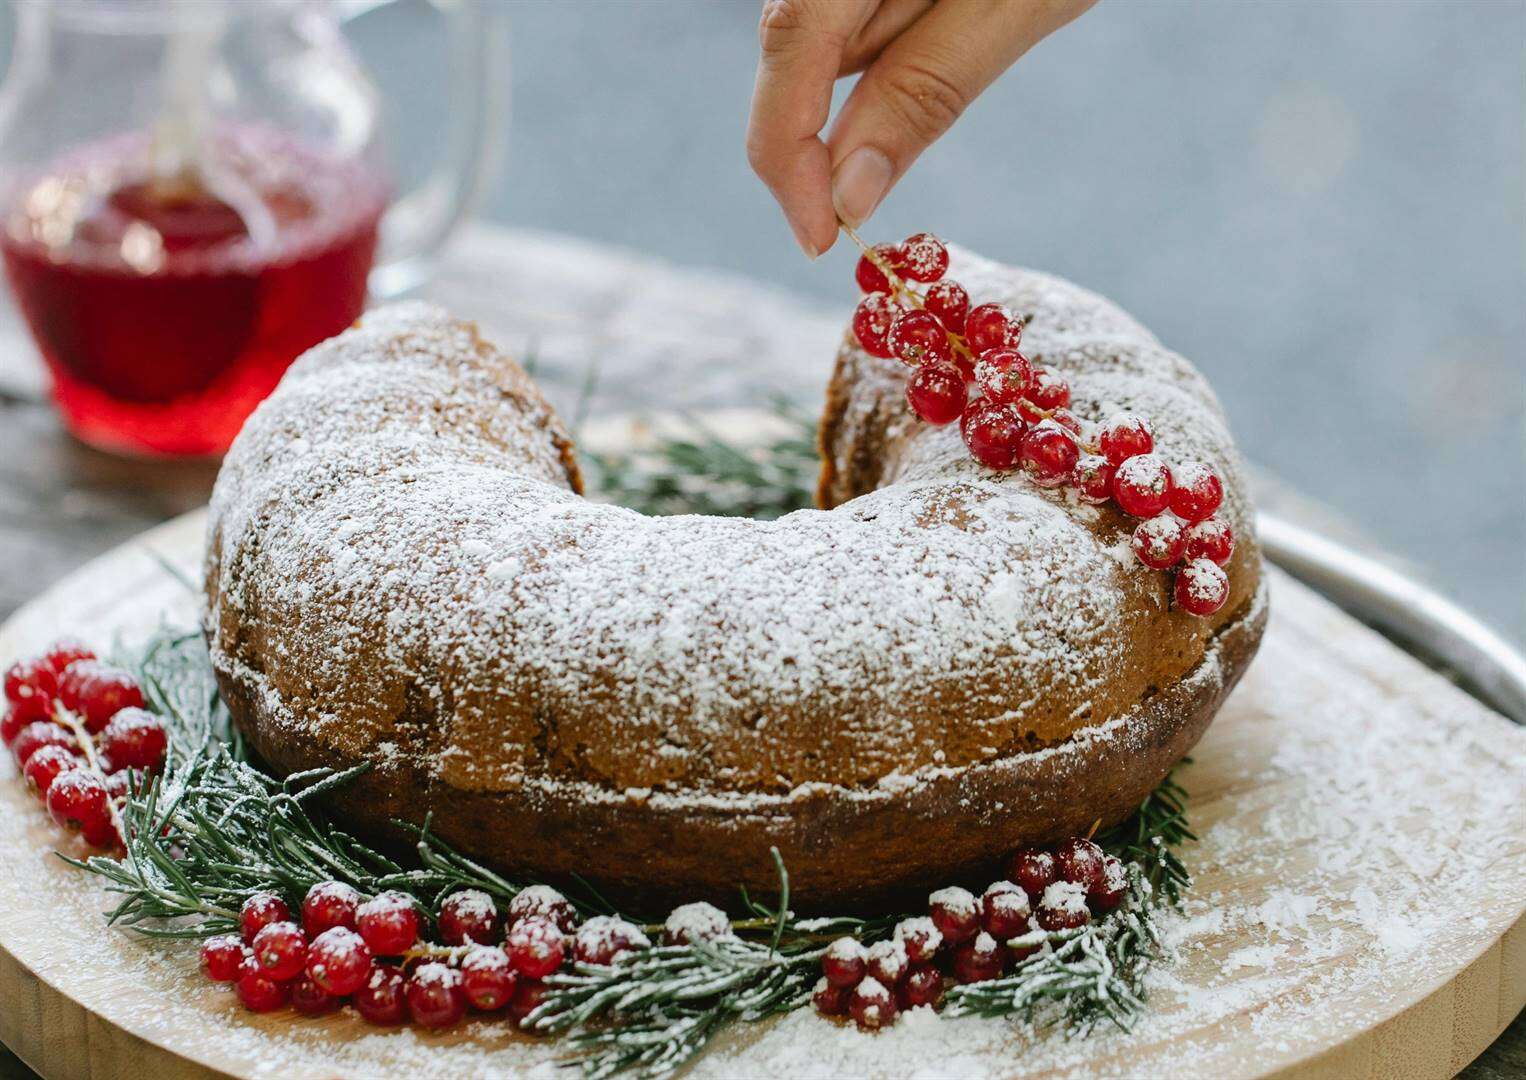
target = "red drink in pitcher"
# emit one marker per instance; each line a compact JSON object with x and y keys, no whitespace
{"x":166,"y":309}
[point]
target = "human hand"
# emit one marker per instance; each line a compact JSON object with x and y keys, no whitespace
{"x":923,"y":61}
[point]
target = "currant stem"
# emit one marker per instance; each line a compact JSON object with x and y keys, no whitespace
{"x":87,"y":744}
{"x":899,"y":288}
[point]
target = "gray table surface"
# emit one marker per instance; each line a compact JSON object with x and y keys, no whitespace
{"x":659,"y":337}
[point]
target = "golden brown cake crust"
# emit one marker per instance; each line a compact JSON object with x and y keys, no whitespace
{"x":950,"y":662}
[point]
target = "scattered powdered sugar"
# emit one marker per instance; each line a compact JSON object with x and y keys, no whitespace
{"x":696,"y":922}
{"x":1064,"y":896}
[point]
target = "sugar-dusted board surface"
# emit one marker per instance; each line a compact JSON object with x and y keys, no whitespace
{"x":1358,"y":909}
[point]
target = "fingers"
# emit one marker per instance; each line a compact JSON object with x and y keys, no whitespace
{"x":888,"y":22}
{"x":920,"y":84}
{"x":803,"y":42}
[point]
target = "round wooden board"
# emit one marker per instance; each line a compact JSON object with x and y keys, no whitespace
{"x":1358,"y":908}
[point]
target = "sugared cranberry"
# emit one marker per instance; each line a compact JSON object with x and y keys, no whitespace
{"x":1158,"y":542}
{"x":979,"y":959}
{"x":923,"y":257}
{"x":528,"y":994}
{"x":986,"y":327}
{"x":1124,"y":435}
{"x":259,"y":911}
{"x":994,"y":433}
{"x":487,"y":978}
{"x":1142,"y":485}
{"x":134,"y":739}
{"x":603,"y":939}
{"x":1212,"y":540}
{"x":872,"y":1005}
{"x":468,"y":915}
{"x":1196,"y":491}
{"x":257,"y":990}
{"x":1005,"y":911}
{"x":281,"y":950}
{"x":95,"y":692}
{"x":328,"y":904}
{"x":1034,"y":870}
{"x":380,"y":998}
{"x":887,"y":962}
{"x":338,"y":960}
{"x":221,"y":957}
{"x":310,"y":999}
{"x":1079,"y":860}
{"x":1063,"y":907}
{"x":77,"y":800}
{"x":870,"y":277}
{"x":955,"y":912}
{"x":536,"y":946}
{"x":35,"y":736}
{"x":844,"y":962}
{"x":1093,"y":477}
{"x":43,"y":767}
{"x":64,"y":652}
{"x":1051,"y":390}
{"x":917,"y":338}
{"x":389,"y":923}
{"x":29,"y":688}
{"x":1201,"y":587}
{"x":923,"y":986}
{"x":871,"y":322}
{"x":937,"y":393}
{"x":831,"y":999}
{"x":1048,"y":454}
{"x":1108,"y":893}
{"x":434,"y":994}
{"x":699,"y":921}
{"x":949,"y":303}
{"x":1003,"y":375}
{"x":921,"y":939}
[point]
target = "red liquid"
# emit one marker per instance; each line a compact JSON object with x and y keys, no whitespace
{"x":167,"y":310}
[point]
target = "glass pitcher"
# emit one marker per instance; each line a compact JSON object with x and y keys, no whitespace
{"x":192,"y":193}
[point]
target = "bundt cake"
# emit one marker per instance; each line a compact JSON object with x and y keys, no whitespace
{"x":939,"y":665}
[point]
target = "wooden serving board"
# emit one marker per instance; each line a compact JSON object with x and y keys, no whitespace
{"x":1358,"y":908}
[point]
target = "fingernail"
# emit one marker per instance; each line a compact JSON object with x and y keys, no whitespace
{"x":859,"y":184}
{"x":806,"y":246}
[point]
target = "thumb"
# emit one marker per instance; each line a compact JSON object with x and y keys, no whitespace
{"x":921,"y":84}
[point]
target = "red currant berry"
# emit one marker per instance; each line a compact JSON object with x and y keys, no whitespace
{"x":1063,"y":907}
{"x":887,"y":962}
{"x":1201,"y":589}
{"x":77,"y":800}
{"x":29,"y":687}
{"x":536,"y":946}
{"x":830,"y":999}
{"x":545,"y":902}
{"x":281,"y":950}
{"x":1108,"y":893}
{"x":64,"y":652}
{"x":1158,"y":542}
{"x":389,"y":923}
{"x":95,"y":692}
{"x":11,"y":724}
{"x":1079,"y":860}
{"x":955,"y":912}
{"x":699,"y":921}
{"x":986,"y":327}
{"x":434,"y":994}
{"x":380,"y":998}
{"x":43,"y":767}
{"x":920,"y":937}
{"x":604,"y":938}
{"x":468,"y":915}
{"x":872,"y":1005}
{"x":1069,"y":421}
{"x":923,"y":257}
{"x":1014,"y":332}
{"x":1005,"y":911}
{"x":923,"y":986}
{"x":1124,"y":435}
{"x":259,"y":911}
{"x":1048,"y":454}
{"x":937,"y":393}
{"x":134,"y":739}
{"x":487,"y":978}
{"x":1196,"y":491}
{"x":338,"y":960}
{"x":328,"y":904}
{"x":870,"y":277}
{"x":1034,"y":870}
{"x":221,"y":957}
{"x":101,"y":833}
{"x":310,"y":999}
{"x":980,"y":959}
{"x":917,"y":338}
{"x":1003,"y":375}
{"x":844,"y":962}
{"x":994,"y":433}
{"x":949,"y":303}
{"x":1050,"y":390}
{"x":35,"y":736}
{"x":871,"y":322}
{"x":528,"y":994}
{"x":1212,"y":540}
{"x":1142,"y":485}
{"x":1093,"y":477}
{"x":257,"y":990}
